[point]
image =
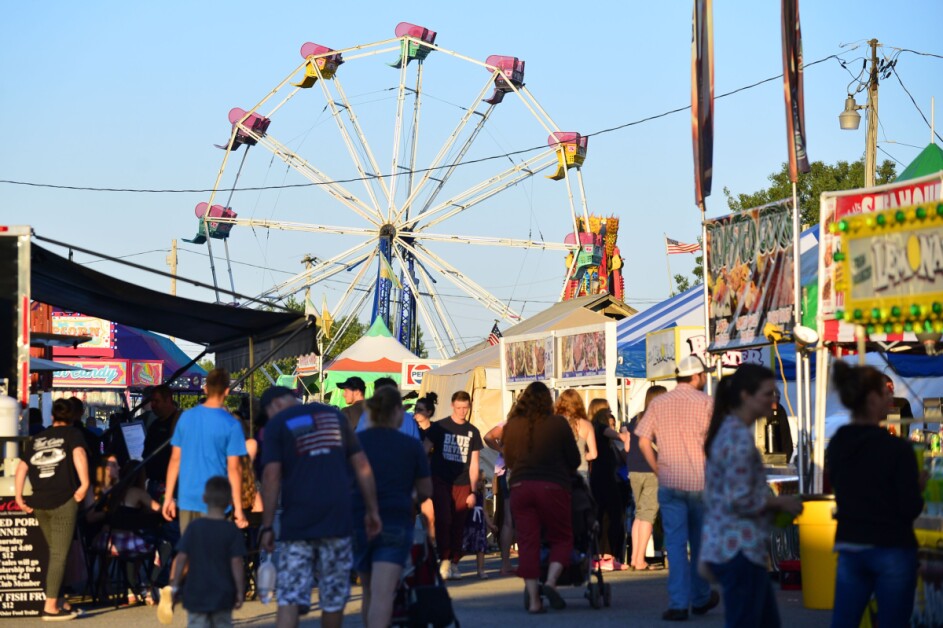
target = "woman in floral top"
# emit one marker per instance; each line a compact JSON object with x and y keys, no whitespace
{"x":739,"y":504}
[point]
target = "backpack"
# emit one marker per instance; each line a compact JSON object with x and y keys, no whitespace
{"x":249,"y":487}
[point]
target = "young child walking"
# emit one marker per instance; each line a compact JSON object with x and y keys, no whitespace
{"x":477,"y":526}
{"x":211,"y":552}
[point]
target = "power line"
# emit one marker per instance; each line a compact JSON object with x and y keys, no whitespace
{"x":919,"y":110}
{"x":402,"y":172}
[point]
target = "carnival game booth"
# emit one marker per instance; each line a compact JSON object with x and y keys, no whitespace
{"x":377,"y":354}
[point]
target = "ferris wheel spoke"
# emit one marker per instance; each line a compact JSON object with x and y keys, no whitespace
{"x":314,"y":175}
{"x":437,"y":304}
{"x":464,"y":283}
{"x":470,"y":111}
{"x":351,"y":316}
{"x":529,"y":100}
{"x":485,"y":190}
{"x":397,"y":133}
{"x":487,"y":241}
{"x":440,"y":346}
{"x":358,"y":278}
{"x":355,"y":123}
{"x":296,"y":226}
{"x":348,"y":142}
{"x":299,"y":281}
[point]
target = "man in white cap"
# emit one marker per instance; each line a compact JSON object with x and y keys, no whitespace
{"x":677,"y":421}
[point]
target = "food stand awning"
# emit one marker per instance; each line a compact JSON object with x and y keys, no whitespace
{"x":222,"y":329}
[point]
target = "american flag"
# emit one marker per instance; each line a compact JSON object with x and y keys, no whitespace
{"x":674,"y":247}
{"x":495,"y":336}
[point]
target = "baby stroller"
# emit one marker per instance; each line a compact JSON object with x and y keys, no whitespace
{"x":585,"y":546}
{"x":421,"y":599}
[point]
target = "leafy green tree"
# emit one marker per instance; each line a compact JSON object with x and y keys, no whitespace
{"x":822,"y":177}
{"x":682,"y":283}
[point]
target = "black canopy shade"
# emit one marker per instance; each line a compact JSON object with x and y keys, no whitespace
{"x":223,"y":329}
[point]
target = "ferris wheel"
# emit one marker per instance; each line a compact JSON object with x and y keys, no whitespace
{"x":400,"y":203}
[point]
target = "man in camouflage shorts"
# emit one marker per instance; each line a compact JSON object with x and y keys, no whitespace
{"x":308,"y":454}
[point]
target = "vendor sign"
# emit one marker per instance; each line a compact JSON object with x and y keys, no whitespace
{"x":583,"y":354}
{"x":750,"y":275}
{"x":25,"y":556}
{"x":146,"y":373}
{"x":93,"y":374}
{"x":412,"y":372}
{"x":890,"y":268}
{"x":102,"y":332}
{"x":838,"y":206}
{"x":527,"y":359}
{"x":666,"y":347}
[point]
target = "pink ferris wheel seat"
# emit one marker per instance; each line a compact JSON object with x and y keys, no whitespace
{"x":571,"y":151}
{"x":254,"y":122}
{"x":410,"y":49}
{"x":511,"y":73}
{"x":211,"y":228}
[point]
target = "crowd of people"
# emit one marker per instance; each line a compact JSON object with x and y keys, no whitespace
{"x":331,"y":493}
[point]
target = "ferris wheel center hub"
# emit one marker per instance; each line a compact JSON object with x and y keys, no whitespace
{"x":387,"y":231}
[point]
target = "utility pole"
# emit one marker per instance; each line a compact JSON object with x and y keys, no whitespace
{"x":172,"y":262}
{"x":871,"y":148}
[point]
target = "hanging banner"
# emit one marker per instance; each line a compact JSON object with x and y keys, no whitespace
{"x":892,"y":269}
{"x":583,"y":354}
{"x":93,"y":374}
{"x":837,"y":206}
{"x":792,"y":87}
{"x":666,"y":347}
{"x":146,"y":374}
{"x":750,"y":275}
{"x":527,"y":359}
{"x":702,"y":98}
{"x":102,"y":332}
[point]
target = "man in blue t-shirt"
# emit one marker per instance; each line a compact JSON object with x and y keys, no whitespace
{"x":310,"y":458}
{"x":207,"y":441}
{"x":409,"y":426}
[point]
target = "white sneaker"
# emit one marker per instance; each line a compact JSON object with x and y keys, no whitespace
{"x":454,"y":573}
{"x":445,"y":568}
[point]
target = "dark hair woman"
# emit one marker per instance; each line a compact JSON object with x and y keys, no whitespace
{"x":604,"y":484}
{"x":541,"y":453}
{"x":57,"y":467}
{"x":738,"y":503}
{"x":400,"y":467}
{"x":644,"y":487}
{"x":423,"y":412}
{"x":878,"y":495}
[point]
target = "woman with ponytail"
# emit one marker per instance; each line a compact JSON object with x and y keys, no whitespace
{"x":739,"y":506}
{"x":878,"y":495}
{"x":541,"y":454}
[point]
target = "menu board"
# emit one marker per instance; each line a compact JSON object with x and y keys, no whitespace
{"x":528,"y":359}
{"x":23,"y":553}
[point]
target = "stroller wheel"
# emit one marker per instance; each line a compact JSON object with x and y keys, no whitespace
{"x":607,"y":594}
{"x":594,"y":595}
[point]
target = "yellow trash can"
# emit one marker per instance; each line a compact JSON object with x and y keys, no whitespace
{"x":817,"y":552}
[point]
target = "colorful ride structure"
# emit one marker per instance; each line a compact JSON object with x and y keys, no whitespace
{"x":596,"y":267}
{"x":396,"y":262}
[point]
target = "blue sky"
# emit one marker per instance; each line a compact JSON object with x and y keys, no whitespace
{"x":134,"y":95}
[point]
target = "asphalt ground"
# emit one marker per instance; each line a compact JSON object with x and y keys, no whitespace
{"x":638,"y":599}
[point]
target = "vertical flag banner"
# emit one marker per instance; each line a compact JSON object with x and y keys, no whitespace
{"x":792,"y":86}
{"x":702,"y":98}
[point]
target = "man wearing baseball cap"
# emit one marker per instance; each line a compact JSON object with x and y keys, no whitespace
{"x":354,"y":389}
{"x":678,"y":422}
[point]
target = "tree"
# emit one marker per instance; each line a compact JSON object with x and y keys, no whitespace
{"x":682,"y":283}
{"x":822,"y":177}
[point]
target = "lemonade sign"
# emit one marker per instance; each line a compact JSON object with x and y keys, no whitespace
{"x":891,"y":269}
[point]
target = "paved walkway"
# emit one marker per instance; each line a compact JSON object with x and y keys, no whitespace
{"x":638,"y":599}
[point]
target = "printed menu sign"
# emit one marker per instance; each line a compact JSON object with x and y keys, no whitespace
{"x":23,"y":556}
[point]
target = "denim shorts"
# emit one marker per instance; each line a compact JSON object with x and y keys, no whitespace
{"x":392,"y":545}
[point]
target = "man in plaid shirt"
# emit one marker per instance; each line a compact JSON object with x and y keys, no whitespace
{"x":678,"y":422}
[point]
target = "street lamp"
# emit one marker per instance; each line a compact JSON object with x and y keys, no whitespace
{"x":849,"y":119}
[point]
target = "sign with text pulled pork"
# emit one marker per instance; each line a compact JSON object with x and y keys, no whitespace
{"x":750,"y":275}
{"x":24,"y":557}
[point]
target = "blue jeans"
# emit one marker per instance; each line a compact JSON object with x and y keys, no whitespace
{"x":888,"y":572}
{"x":749,"y":599}
{"x":682,"y":517}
